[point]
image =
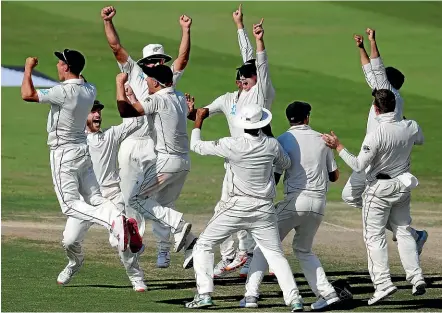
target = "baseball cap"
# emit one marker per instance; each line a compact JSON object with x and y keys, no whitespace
{"x":97,"y":106}
{"x":248,"y":69}
{"x":74,"y":59}
{"x":153,"y":52}
{"x":161,"y":73}
{"x":297,"y":111}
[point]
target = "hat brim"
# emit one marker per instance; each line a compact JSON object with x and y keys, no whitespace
{"x":166,"y":58}
{"x":265,"y":120}
{"x":97,"y":107}
{"x":60,"y":56}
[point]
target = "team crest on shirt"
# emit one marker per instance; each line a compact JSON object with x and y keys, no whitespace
{"x":44,"y":91}
{"x":366,"y":148}
{"x":216,"y":142}
{"x":233,"y":109}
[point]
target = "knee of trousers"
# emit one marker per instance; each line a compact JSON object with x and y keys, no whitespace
{"x":301,"y":253}
{"x":71,"y":243}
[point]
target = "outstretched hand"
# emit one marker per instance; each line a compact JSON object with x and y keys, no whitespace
{"x":258,"y":30}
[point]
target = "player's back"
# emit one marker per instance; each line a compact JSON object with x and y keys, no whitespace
{"x":250,"y":165}
{"x":169,"y":114}
{"x":71,"y":102}
{"x":395,"y":141}
{"x":311,"y":160}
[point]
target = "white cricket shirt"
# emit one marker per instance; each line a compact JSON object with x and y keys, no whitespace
{"x":311,"y":160}
{"x":71,"y":101}
{"x":137,"y":80}
{"x":376,"y":77}
{"x":103,"y":148}
{"x":249,"y":162}
{"x":169,"y":113}
{"x":387,"y":150}
{"x":261,"y":94}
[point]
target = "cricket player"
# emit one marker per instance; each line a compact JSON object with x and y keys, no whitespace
{"x":71,"y":165}
{"x":377,"y":77}
{"x":255,"y":87}
{"x":165,"y":178}
{"x":137,"y":151}
{"x":303,"y":207}
{"x":251,"y":189}
{"x":103,"y":148}
{"x":386,"y":152}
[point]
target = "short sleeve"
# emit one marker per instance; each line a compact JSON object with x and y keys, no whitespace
{"x":55,"y":95}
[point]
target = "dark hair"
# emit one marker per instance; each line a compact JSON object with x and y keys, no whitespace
{"x":237,"y":75}
{"x":395,"y":77}
{"x":298,"y":111}
{"x":253,"y":132}
{"x":384,"y":100}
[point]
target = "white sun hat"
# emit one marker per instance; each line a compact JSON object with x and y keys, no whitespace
{"x":154,"y":51}
{"x":252,"y":117}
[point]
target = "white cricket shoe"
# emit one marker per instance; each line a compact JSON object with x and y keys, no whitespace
{"x":381,"y":294}
{"x":220,"y":269}
{"x":421,"y":240}
{"x":139,"y":285}
{"x":248,"y":302}
{"x":326,"y":301}
{"x":120,"y":232}
{"x":245,"y":269}
{"x":180,"y":236}
{"x":419,"y":288}
{"x":239,"y":260}
{"x":163,"y":259}
{"x":67,"y":273}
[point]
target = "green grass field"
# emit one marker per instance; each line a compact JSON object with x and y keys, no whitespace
{"x":312,"y":57}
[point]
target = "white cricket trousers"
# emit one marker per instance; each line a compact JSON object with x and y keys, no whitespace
{"x":73,"y":175}
{"x":164,"y":179}
{"x":352,"y":195}
{"x":135,"y":155}
{"x":388,"y":202}
{"x":302,"y":211}
{"x":257,"y":216}
{"x":245,"y":240}
{"x":75,"y":231}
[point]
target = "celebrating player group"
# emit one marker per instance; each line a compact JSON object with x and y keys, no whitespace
{"x":122,"y":175}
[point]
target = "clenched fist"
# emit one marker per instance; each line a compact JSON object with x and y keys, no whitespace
{"x":31,"y":62}
{"x":108,"y":13}
{"x":185,"y":21}
{"x":371,"y":34}
{"x":359,"y":40}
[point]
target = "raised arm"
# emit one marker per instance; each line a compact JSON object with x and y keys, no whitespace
{"x":266,"y":91}
{"x":28,"y":92}
{"x":365,"y":62}
{"x":113,"y":40}
{"x":377,"y":65}
{"x":124,"y":107}
{"x":245,"y":46}
{"x":184,"y":51}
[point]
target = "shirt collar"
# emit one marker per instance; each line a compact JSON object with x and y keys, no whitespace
{"x":300,"y":127}
{"x":77,"y":81}
{"x":386,"y":117}
{"x":164,"y":90}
